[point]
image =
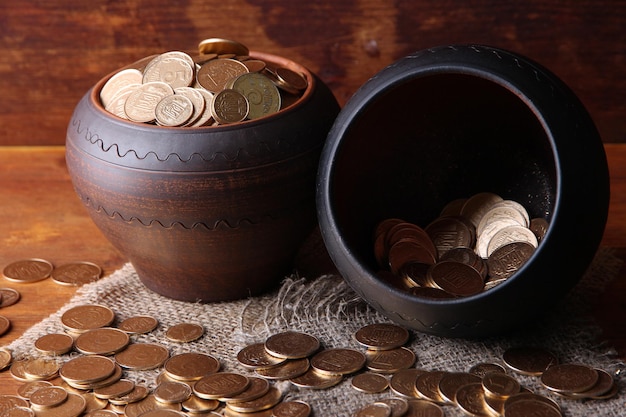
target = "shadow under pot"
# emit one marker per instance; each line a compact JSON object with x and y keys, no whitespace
{"x":449,"y":123}
{"x":204,"y":213}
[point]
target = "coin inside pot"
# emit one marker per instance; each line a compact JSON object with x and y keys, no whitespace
{"x":451,"y":122}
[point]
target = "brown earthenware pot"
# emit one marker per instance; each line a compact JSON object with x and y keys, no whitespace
{"x":208,"y":213}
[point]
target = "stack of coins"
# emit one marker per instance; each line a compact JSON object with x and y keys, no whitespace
{"x":221,"y":85}
{"x":474,"y":245}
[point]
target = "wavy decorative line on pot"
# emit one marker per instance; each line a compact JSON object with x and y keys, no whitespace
{"x":94,"y":138}
{"x":230,"y":223}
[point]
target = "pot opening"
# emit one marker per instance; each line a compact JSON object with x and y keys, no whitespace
{"x":421,"y":143}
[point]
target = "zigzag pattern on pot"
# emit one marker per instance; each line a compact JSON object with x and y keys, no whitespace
{"x":94,"y":139}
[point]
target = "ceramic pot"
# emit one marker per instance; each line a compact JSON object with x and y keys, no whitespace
{"x":447,"y":123}
{"x":208,"y":213}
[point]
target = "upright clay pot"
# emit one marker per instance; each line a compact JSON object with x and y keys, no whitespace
{"x":208,"y":213}
{"x":447,"y":123}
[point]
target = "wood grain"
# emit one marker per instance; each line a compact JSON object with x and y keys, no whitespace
{"x":54,"y":51}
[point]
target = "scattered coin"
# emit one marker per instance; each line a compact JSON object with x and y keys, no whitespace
{"x":28,"y":270}
{"x":403,"y":382}
{"x":142,"y":356}
{"x":338,"y":361}
{"x":369,"y":383}
{"x":76,"y":273}
{"x":529,"y":360}
{"x":255,"y":356}
{"x":292,"y":409}
{"x":8,"y":297}
{"x":85,"y":317}
{"x":190,"y":366}
{"x":382,"y":336}
{"x":316,"y":380}
{"x":389,"y":361}
{"x":5,"y":325}
{"x":184,"y":332}
{"x":171,"y":392}
{"x":138,"y":324}
{"x":292,"y":345}
{"x":220,"y":385}
{"x":569,"y":378}
{"x":48,"y":397}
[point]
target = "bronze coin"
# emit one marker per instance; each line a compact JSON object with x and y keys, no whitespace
{"x":529,"y":360}
{"x":569,"y":378}
{"x":382,"y":336}
{"x":76,"y":273}
{"x":291,"y":345}
{"x":452,"y":381}
{"x":369,"y":383}
{"x":448,"y":233}
{"x":456,"y":278}
{"x":338,"y":361}
{"x":508,"y":259}
{"x":402,"y":383}
{"x":28,"y":270}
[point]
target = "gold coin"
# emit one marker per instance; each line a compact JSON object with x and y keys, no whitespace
{"x":5,"y":325}
{"x":174,"y":110}
{"x":338,"y":361}
{"x":41,"y":369}
{"x":214,"y":75}
{"x":85,"y":317}
{"x":142,"y":356}
{"x":402,"y":383}
{"x":501,"y":385}
{"x":138,"y":393}
{"x":184,"y":332}
{"x":117,"y":389}
{"x":220,"y":385}
{"x":263,"y":96}
{"x":195,"y":404}
{"x":102,"y":341}
{"x":369,"y":383}
{"x":229,"y":106}
{"x":171,"y":392}
{"x":377,"y":409}
{"x":294,"y":408}
{"x":138,"y":324}
{"x":8,"y":297}
{"x":255,"y":356}
{"x":292,"y":345}
{"x":569,"y":378}
{"x":452,"y":381}
{"x":76,"y":273}
{"x":286,"y":370}
{"x":264,"y":402}
{"x":389,"y":361}
{"x":316,"y":380}
{"x":470,"y":399}
{"x":529,"y":360}
{"x":424,"y":408}
{"x":54,"y":343}
{"x":531,"y":407}
{"x":87,"y":369}
{"x":219,"y":46}
{"x":257,"y":388}
{"x":48,"y":397}
{"x":382,"y":336}
{"x":28,"y":270}
{"x":190,"y":366}
{"x":141,"y":104}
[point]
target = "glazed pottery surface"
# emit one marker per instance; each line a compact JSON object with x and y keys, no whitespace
{"x":208,"y":213}
{"x":447,"y":123}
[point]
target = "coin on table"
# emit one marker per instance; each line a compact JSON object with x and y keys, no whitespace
{"x":41,"y":369}
{"x":142,"y":356}
{"x":195,"y":404}
{"x":427,"y":385}
{"x":85,"y":317}
{"x":470,"y":398}
{"x":569,"y":378}
{"x":8,"y":297}
{"x":292,"y":345}
{"x":402,"y":383}
{"x":148,"y":405}
{"x":214,"y":75}
{"x":221,"y":46}
{"x":54,"y":343}
{"x":171,"y":392}
{"x":48,"y":397}
{"x":138,"y":393}
{"x":6,"y":357}
{"x":184,"y":332}
{"x":382,"y":336}
{"x":369,"y":383}
{"x":256,"y":389}
{"x":10,"y":401}
{"x":102,"y":341}
{"x":20,"y":412}
{"x":419,"y":407}
{"x":229,"y":106}
{"x":76,"y":273}
{"x":529,"y":360}
{"x":338,"y":361}
{"x":399,"y":406}
{"x":316,"y":380}
{"x":389,"y":361}
{"x":456,"y":278}
{"x":87,"y":369}
{"x":138,"y":324}
{"x":264,"y":402}
{"x":117,"y":389}
{"x":501,"y":385}
{"x":141,"y":104}
{"x":263,"y":96}
{"x":28,"y":270}
{"x":5,"y":325}
{"x":530,"y":407}
{"x":483,"y":368}
{"x":255,"y":356}
{"x":190,"y":366}
{"x":377,"y":409}
{"x":220,"y":385}
{"x":293,"y":408}
{"x":601,"y":388}
{"x":452,"y":381}
{"x":287,"y":370}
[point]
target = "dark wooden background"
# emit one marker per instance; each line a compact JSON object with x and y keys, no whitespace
{"x":52,"y":51}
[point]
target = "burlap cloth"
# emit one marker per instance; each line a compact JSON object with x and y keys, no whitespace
{"x":325,"y":306}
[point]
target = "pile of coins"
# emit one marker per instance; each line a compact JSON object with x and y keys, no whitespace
{"x":33,"y":270}
{"x":221,"y":85}
{"x":475,"y":244}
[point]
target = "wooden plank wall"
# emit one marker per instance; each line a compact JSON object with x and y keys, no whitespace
{"x":52,"y":51}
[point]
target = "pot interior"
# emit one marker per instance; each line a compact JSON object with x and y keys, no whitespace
{"x":423,"y":142}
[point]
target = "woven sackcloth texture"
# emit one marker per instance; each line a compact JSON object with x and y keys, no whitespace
{"x":326,"y":307}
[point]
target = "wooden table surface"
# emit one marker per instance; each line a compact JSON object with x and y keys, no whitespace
{"x":43,"y":218}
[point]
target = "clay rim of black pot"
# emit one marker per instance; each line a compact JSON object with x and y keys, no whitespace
{"x":274,"y":59}
{"x":352,"y":114}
